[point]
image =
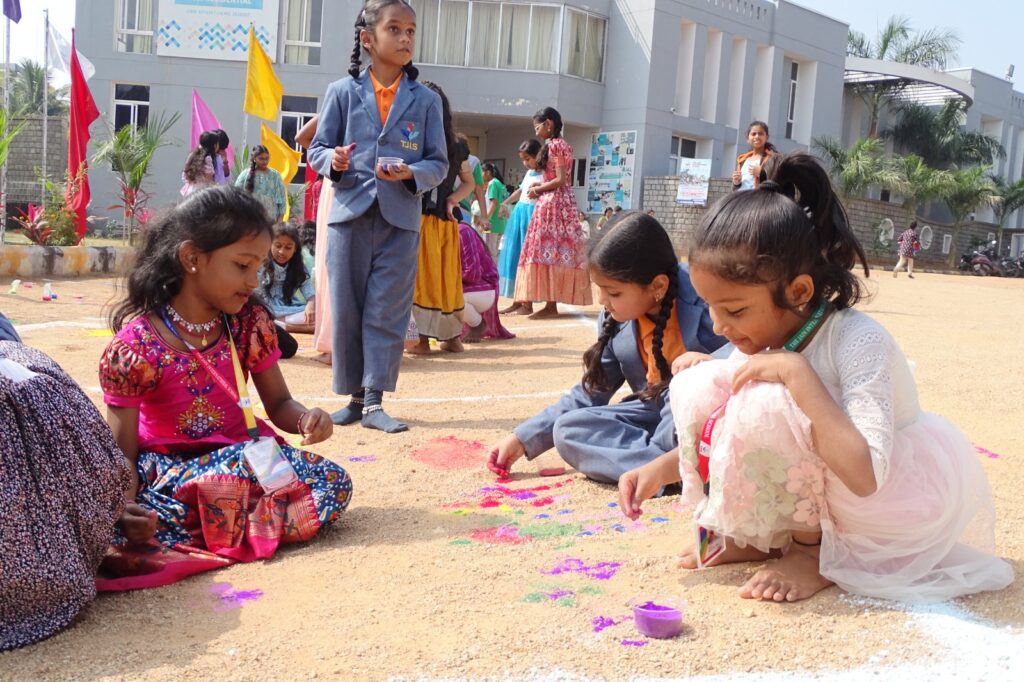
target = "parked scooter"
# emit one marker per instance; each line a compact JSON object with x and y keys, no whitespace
{"x":982,"y":262}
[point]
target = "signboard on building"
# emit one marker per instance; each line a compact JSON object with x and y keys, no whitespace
{"x":694,"y":176}
{"x":610,"y":176}
{"x":216,"y":29}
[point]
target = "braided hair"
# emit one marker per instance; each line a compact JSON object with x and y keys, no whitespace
{"x":257,"y":149}
{"x":367,"y":21}
{"x":635,"y":250}
{"x":196,"y":162}
{"x":543,"y":116}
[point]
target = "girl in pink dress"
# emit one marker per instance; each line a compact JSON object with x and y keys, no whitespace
{"x":553,"y":266}
{"x":808,"y":444}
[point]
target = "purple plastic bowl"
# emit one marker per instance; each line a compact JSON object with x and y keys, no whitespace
{"x":658,"y":620}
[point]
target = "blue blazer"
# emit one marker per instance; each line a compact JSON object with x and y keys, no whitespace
{"x":623,"y":364}
{"x":413,"y":132}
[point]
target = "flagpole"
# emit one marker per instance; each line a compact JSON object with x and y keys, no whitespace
{"x":46,"y":100}
{"x":7,"y":102}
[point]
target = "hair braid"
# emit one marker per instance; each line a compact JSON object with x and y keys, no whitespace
{"x":411,"y":72}
{"x":356,"y":63}
{"x":656,"y":341}
{"x":594,"y":379}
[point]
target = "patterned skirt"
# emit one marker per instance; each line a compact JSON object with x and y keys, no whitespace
{"x":553,"y":262}
{"x":62,"y":483}
{"x":211,"y":509}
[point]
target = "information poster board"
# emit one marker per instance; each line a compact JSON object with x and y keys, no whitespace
{"x":610,"y":176}
{"x":694,"y":176}
{"x":216,"y":29}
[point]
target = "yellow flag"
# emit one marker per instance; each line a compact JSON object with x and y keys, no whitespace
{"x":283,"y":158}
{"x":262,"y":89}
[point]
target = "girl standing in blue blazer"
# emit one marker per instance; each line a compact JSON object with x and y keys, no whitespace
{"x":652,"y":316}
{"x":376,"y":113}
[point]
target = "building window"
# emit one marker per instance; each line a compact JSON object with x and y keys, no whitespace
{"x":296,"y":111}
{"x":579,"y":173}
{"x":682,"y":148}
{"x":135,"y":26}
{"x":302,"y":32}
{"x":504,"y":35}
{"x":131,"y":105}
{"x":584,"y":43}
{"x":886,"y":196}
{"x":791,"y":111}
{"x":947,"y":243}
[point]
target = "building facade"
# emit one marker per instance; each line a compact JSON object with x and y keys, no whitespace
{"x":685,"y":75}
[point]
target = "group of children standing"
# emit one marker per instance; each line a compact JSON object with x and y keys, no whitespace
{"x":790,"y":420}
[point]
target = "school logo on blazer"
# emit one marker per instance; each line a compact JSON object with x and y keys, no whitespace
{"x":409,"y":134}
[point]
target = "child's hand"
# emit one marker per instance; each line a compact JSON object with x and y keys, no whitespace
{"x":688,"y":360}
{"x":310,"y":312}
{"x":636,"y":487}
{"x":504,"y":454}
{"x":315,"y":426}
{"x":533,"y":192}
{"x":138,"y":524}
{"x":394,"y":172}
{"x":341,"y":157}
{"x":773,"y":366}
{"x":737,"y":177}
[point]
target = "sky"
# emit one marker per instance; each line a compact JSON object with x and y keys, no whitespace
{"x":989,"y":28}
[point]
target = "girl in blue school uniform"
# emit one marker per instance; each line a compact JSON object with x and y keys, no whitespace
{"x":374,"y":221}
{"x":651,"y":316}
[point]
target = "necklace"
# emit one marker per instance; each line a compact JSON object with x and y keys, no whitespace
{"x":201,"y":329}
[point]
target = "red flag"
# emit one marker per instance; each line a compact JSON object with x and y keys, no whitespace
{"x":83,"y":113}
{"x":312,"y":192}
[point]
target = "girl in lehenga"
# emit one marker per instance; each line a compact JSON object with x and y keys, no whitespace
{"x":553,"y":266}
{"x":810,"y":436}
{"x":438,"y":303}
{"x":173,"y":392}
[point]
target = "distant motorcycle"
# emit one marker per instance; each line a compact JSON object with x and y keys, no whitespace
{"x":982,"y":262}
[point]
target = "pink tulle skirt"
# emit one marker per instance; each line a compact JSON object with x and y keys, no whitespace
{"x":323,"y":329}
{"x":925,"y":535}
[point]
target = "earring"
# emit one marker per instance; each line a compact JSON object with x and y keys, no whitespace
{"x":193,"y":269}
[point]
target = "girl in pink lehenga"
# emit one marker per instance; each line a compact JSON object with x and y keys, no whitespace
{"x":808,"y":445}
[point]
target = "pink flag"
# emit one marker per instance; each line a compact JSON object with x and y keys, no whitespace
{"x":203,"y":120}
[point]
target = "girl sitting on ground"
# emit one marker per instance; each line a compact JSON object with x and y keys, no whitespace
{"x":651,"y":316}
{"x":285,"y":285}
{"x":187,"y":338}
{"x":808,"y":444}
{"x":479,"y":289}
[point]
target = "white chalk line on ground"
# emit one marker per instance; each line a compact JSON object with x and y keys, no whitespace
{"x":449,"y":399}
{"x":82,"y":323}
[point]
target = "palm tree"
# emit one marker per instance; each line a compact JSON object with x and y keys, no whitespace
{"x":918,"y":182}
{"x":898,"y":42}
{"x":969,"y":188}
{"x":5,"y":148}
{"x":1008,"y":197}
{"x":28,"y":80}
{"x":856,"y":169}
{"x":938,"y":137}
{"x":129,"y":151}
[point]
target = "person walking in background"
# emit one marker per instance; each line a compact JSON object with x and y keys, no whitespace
{"x":907,"y":246}
{"x":495,"y":195}
{"x":748,"y":165}
{"x":221,"y":163}
{"x":553,"y":266}
{"x":265,"y":183}
{"x":200,"y":169}
{"x":515,"y":231}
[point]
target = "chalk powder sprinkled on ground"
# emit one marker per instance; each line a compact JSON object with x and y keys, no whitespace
{"x":450,"y":453}
{"x":230,"y":598}
{"x":603,"y":570}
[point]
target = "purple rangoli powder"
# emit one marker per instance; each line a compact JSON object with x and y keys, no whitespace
{"x":633,"y":642}
{"x":231,"y":598}
{"x":603,"y":570}
{"x":363,"y":458}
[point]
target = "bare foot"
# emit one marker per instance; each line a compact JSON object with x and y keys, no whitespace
{"x":511,"y":309}
{"x":475,"y":334}
{"x":731,"y":555}
{"x":794,"y":577}
{"x":453,"y":345}
{"x":421,"y":348}
{"x":548,"y":311}
{"x":524,"y":309}
{"x":325,"y":358}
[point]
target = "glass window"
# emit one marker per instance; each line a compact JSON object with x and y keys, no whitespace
{"x":131,"y":105}
{"x":302,"y":32}
{"x":544,"y":25}
{"x":426,"y":30}
{"x":584,"y":44}
{"x":682,"y":148}
{"x":135,"y":26}
{"x":452,"y":32}
{"x":514,"y":40}
{"x":485,"y":23}
{"x":791,"y":110}
{"x":593,"y":58}
{"x":296,"y":111}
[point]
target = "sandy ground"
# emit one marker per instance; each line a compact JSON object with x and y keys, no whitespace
{"x":427,"y":576}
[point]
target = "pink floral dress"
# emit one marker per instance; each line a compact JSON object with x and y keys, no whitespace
{"x":553,"y":263}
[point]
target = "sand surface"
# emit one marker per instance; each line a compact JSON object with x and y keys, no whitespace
{"x":428,"y":576}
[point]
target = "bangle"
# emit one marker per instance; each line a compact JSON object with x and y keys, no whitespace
{"x":298,"y":424}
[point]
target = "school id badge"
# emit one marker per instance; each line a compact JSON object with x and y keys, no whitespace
{"x":268,"y":464}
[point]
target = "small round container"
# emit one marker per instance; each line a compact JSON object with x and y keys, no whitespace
{"x":658,"y":617}
{"x":386,"y":162}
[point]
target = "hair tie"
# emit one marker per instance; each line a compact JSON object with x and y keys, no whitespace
{"x":810,"y":215}
{"x":770,"y":186}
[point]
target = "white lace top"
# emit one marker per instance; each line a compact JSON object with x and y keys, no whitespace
{"x":867,"y":374}
{"x":531,"y":178}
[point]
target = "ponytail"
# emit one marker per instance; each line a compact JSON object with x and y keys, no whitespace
{"x":544,"y":115}
{"x":257,"y":149}
{"x":356,"y":61}
{"x":594,"y":378}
